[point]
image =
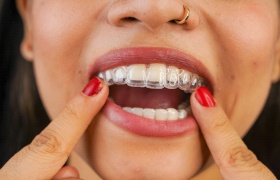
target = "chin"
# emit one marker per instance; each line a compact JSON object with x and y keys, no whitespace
{"x":114,"y":152}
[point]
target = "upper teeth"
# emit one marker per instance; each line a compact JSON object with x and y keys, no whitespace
{"x":153,"y":76}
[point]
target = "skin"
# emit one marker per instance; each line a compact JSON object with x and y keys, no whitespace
{"x":238,"y":59}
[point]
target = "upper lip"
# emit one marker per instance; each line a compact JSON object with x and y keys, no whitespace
{"x":148,"y":55}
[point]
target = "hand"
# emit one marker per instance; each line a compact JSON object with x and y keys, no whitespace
{"x":231,"y":155}
{"x":48,"y":152}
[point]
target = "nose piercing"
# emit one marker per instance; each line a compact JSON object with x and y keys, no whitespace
{"x":186,"y":15}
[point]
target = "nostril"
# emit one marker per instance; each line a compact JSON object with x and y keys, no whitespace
{"x":130,"y":19}
{"x":172,"y":21}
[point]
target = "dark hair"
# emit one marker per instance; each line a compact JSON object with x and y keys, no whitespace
{"x":22,"y":114}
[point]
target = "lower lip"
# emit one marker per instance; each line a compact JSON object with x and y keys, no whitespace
{"x":147,"y":127}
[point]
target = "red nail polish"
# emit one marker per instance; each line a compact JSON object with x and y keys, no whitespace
{"x":93,"y":87}
{"x":204,"y":97}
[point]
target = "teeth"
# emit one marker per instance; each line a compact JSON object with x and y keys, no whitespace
{"x":136,"y":75}
{"x":172,"y":78}
{"x":161,"y":114}
{"x":182,"y":113}
{"x":149,"y":113}
{"x":169,"y":114}
{"x":128,"y":109}
{"x":137,"y":111}
{"x":184,"y":80}
{"x":107,"y":76}
{"x":153,"y":76}
{"x":120,"y":75}
{"x":173,"y":114}
{"x":156,"y":76}
{"x":195,"y":82}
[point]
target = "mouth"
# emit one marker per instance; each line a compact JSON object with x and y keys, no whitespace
{"x":150,"y":97}
{"x":153,"y":91}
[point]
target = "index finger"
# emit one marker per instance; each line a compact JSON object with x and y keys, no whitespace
{"x":50,"y":149}
{"x":230,"y":153}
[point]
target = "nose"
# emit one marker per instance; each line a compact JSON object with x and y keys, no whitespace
{"x":151,"y":13}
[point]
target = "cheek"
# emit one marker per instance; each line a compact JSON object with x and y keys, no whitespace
{"x":58,"y":42}
{"x":247,"y":59}
{"x":249,"y":36}
{"x":251,"y":42}
{"x":58,"y":35}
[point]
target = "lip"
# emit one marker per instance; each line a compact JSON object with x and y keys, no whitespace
{"x":147,"y":127}
{"x":147,"y":55}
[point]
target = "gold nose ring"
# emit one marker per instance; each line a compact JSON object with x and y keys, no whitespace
{"x":187,"y":13}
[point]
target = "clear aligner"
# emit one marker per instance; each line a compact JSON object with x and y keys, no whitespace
{"x":153,"y":76}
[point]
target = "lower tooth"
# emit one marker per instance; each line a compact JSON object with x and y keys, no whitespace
{"x":161,"y":114}
{"x":137,"y":111}
{"x":149,"y":113}
{"x":127,"y":109}
{"x":182,"y":113}
{"x":170,"y":114}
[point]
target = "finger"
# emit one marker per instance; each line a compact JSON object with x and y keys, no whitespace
{"x":67,"y":172}
{"x":50,"y":149}
{"x":230,"y":153}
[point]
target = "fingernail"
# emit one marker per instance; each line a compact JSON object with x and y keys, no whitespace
{"x":204,"y":97}
{"x":93,"y":87}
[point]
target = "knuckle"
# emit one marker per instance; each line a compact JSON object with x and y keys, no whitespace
{"x":220,"y":125}
{"x":48,"y":142}
{"x":241,"y":157}
{"x":71,"y":112}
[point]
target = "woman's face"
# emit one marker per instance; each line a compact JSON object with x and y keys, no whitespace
{"x":232,"y":45}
